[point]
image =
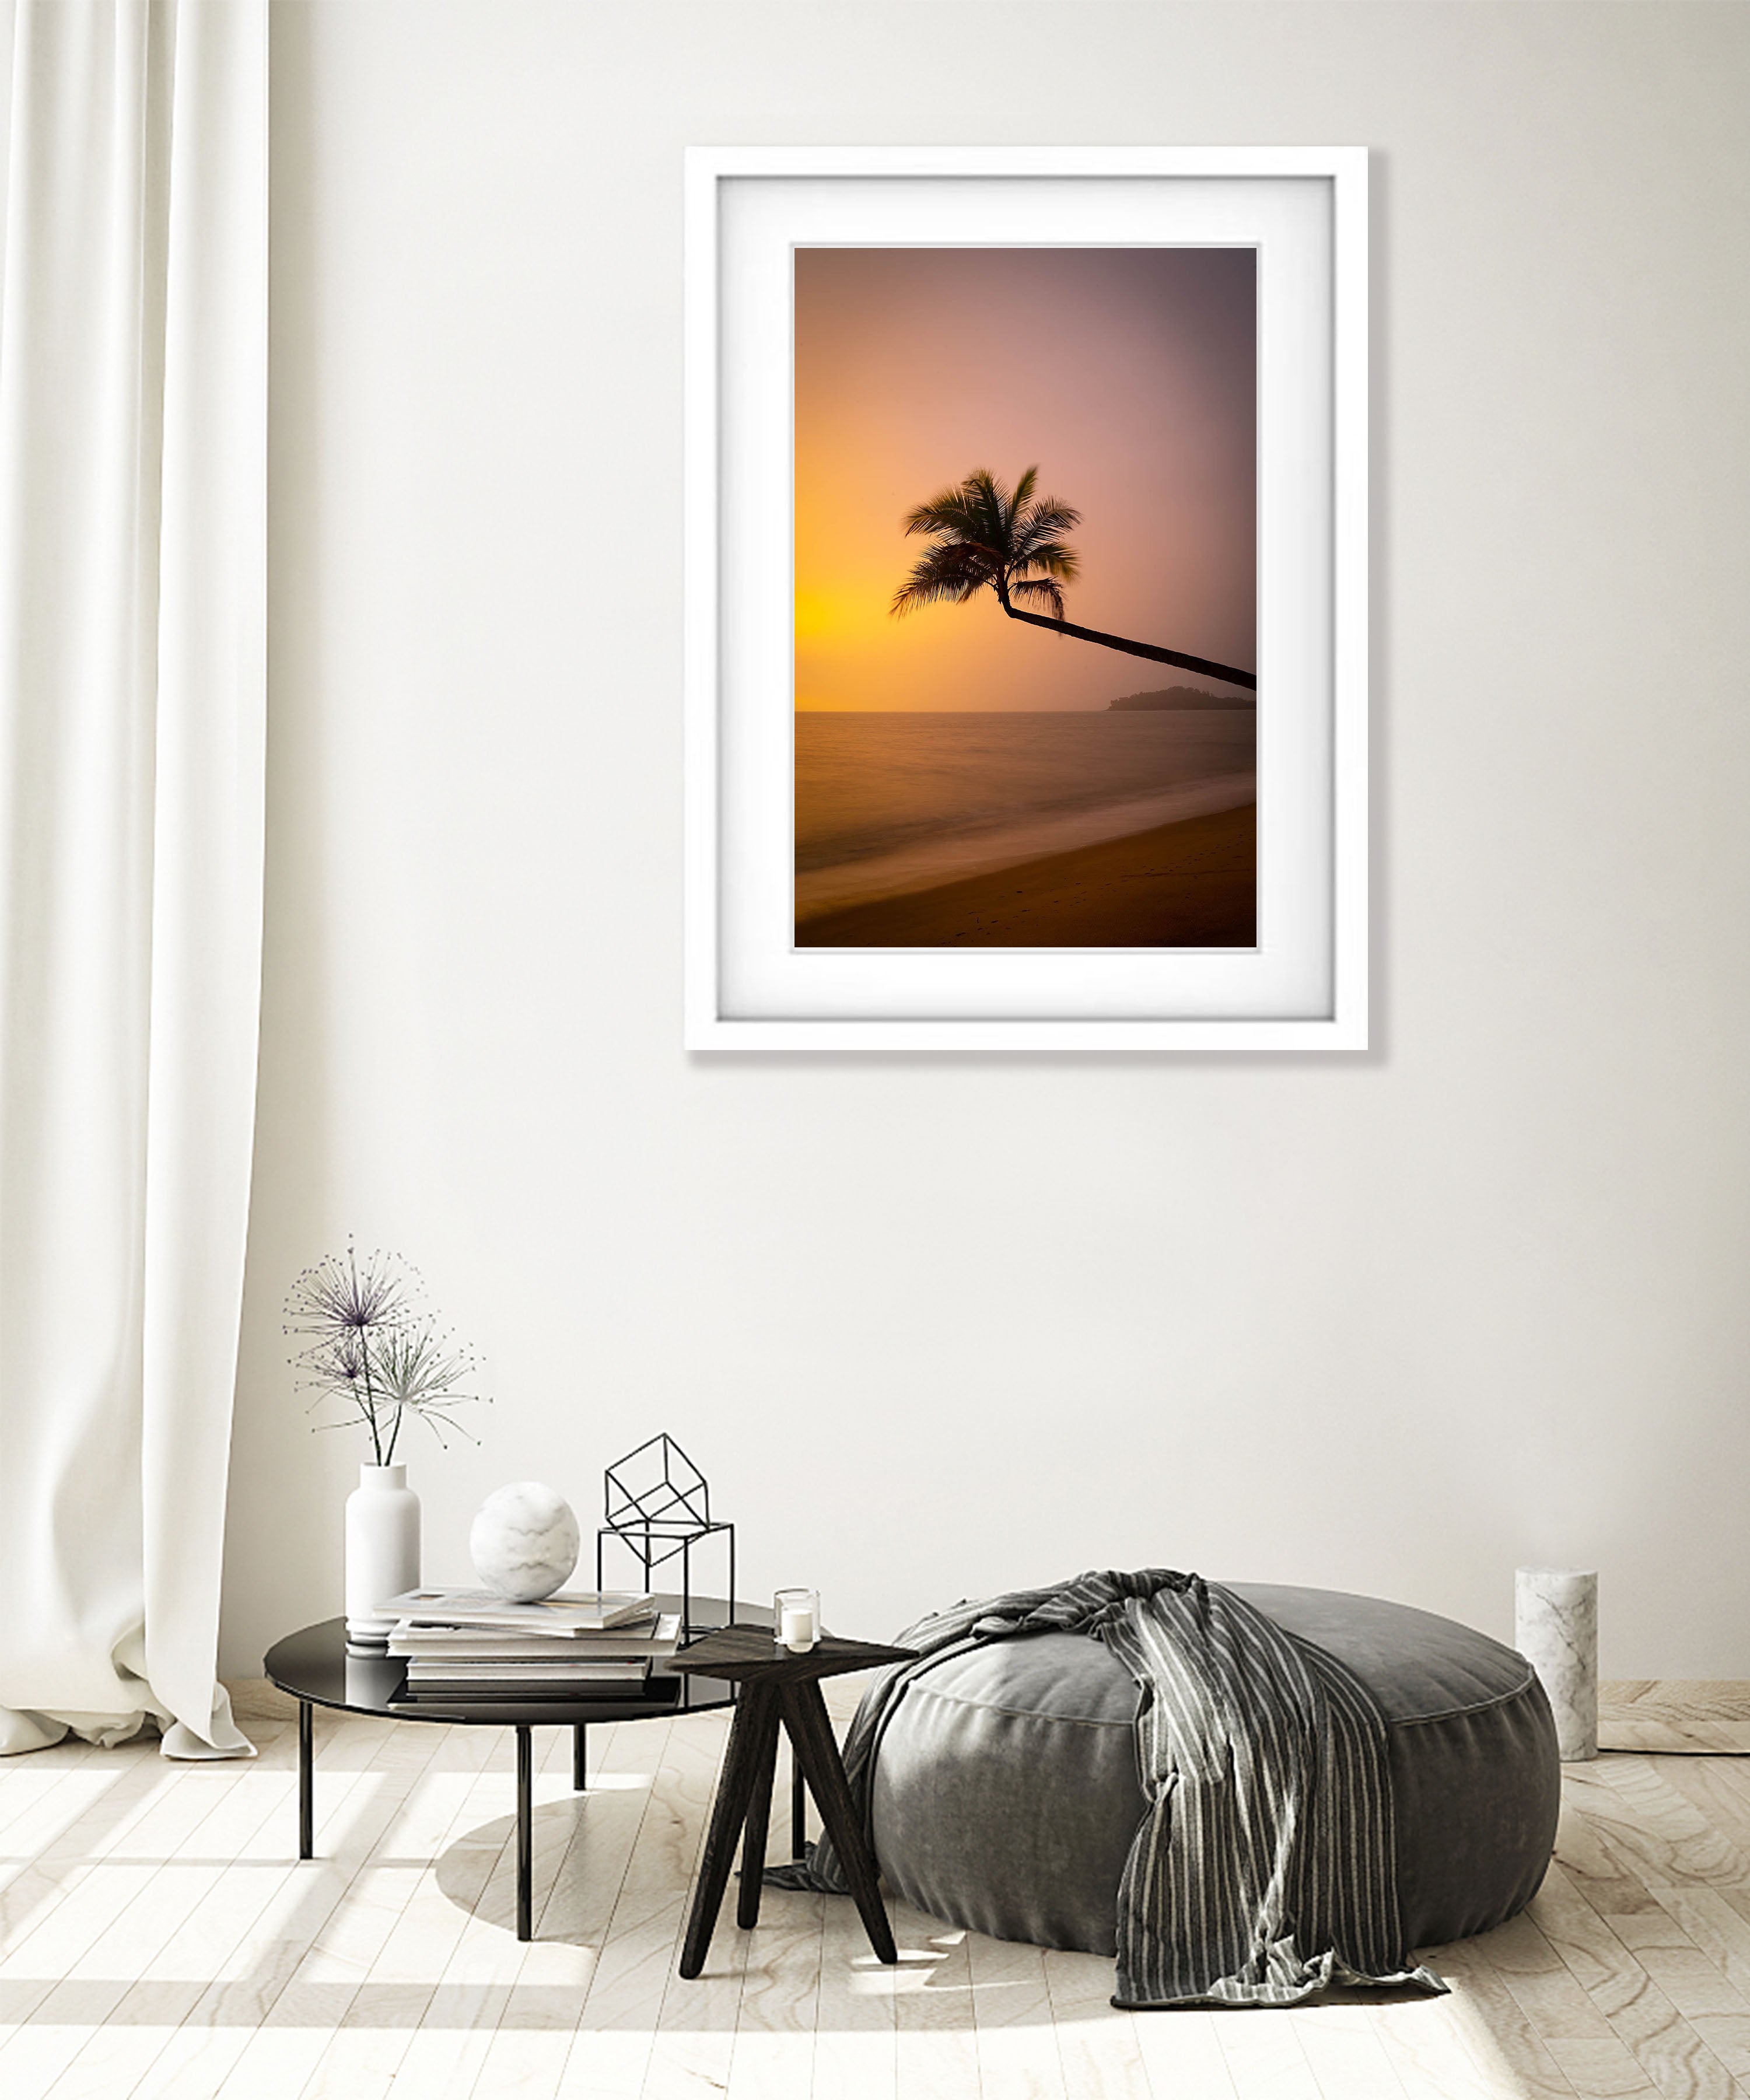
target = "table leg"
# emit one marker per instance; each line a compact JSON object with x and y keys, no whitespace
{"x":728,"y":1813}
{"x":525,"y":1834}
{"x":798,"y":1809}
{"x":306,"y":1782}
{"x":579,"y":1757}
{"x":805,"y":1713}
{"x":765,"y":1755}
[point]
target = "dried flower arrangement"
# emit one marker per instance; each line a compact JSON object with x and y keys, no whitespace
{"x":370,"y":1341}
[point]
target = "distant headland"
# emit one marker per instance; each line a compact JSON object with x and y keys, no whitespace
{"x":1184,"y":696}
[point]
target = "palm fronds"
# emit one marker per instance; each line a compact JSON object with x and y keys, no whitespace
{"x":987,"y":535}
{"x":1042,"y":588}
{"x":952,"y":573}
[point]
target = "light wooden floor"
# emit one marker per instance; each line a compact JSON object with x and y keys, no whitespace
{"x":158,"y":1937}
{"x":1674,"y":1714}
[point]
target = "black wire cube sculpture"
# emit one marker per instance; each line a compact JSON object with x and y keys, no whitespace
{"x":657,"y":1504}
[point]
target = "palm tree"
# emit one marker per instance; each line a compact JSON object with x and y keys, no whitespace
{"x":985,"y":535}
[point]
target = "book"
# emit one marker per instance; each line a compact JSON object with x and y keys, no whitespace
{"x":649,"y":1636}
{"x":568,"y":1612}
{"x":527,"y":1673}
{"x":475,"y":1698}
{"x":489,"y":1682}
{"x":534,"y":1687}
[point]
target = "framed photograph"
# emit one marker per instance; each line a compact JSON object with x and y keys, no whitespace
{"x":1026,"y":598}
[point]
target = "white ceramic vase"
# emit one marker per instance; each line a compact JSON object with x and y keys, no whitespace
{"x":382,"y":1550}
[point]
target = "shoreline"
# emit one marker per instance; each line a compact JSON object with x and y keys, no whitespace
{"x":930,"y":863}
{"x":1191,"y":883}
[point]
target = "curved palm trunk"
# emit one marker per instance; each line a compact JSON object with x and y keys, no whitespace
{"x":1249,"y":679}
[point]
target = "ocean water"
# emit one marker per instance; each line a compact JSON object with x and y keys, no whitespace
{"x":890,"y":803}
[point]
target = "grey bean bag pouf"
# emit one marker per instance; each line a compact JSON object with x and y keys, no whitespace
{"x":1006,"y":1794}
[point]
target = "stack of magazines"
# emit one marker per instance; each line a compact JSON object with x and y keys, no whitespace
{"x":468,"y":1646}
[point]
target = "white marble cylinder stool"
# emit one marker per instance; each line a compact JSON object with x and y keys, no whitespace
{"x":1556,"y":1630}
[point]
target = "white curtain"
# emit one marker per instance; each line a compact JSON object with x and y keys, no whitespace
{"x":133,"y":450}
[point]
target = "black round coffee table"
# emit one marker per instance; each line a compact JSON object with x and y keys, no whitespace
{"x":314,"y":1667}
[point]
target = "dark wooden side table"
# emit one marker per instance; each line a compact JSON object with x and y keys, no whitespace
{"x":776,"y":1686}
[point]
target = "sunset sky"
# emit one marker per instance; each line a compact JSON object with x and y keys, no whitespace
{"x":1128,"y":375}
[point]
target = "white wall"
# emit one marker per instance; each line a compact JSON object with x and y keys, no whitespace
{"x":939,"y":1326}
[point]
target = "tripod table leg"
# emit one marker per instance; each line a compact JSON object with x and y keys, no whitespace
{"x":579,"y":1757}
{"x":728,"y":1813}
{"x":764,"y":1751}
{"x":805,"y":1713}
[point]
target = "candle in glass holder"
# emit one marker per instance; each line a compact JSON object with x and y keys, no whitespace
{"x":795,"y":1619}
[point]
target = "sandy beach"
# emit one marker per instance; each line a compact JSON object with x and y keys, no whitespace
{"x":1191,"y":884}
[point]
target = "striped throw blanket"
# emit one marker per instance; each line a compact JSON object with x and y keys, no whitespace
{"x":1265,"y":1866}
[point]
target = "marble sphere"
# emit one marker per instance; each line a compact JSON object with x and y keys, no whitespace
{"x":524,"y":1542}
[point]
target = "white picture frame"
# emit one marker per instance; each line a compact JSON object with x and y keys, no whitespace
{"x":1305,"y":985}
